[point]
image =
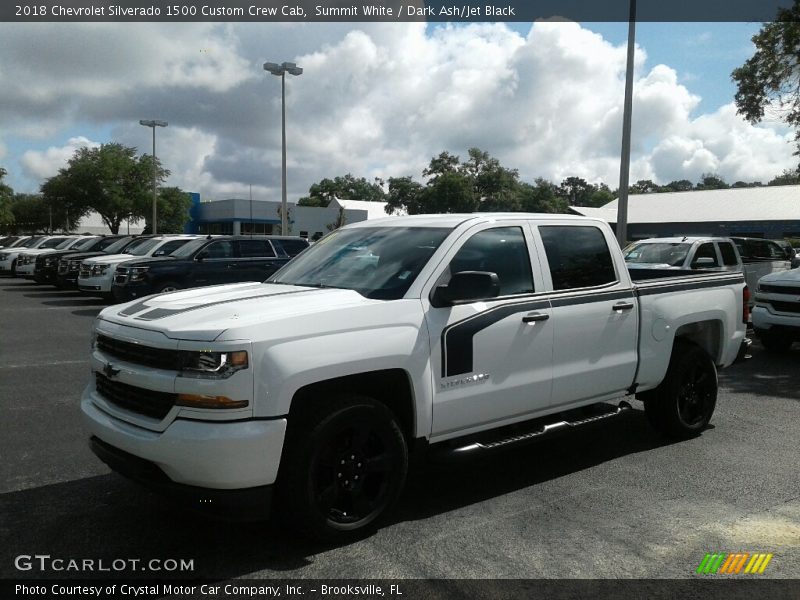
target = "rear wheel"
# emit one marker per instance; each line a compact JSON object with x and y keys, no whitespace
{"x":344,"y":466}
{"x":683,"y":404}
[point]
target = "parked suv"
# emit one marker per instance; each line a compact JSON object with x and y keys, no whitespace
{"x":776,"y":315}
{"x":47,"y":267}
{"x":97,"y":274}
{"x":10,"y":256}
{"x":206,"y":261}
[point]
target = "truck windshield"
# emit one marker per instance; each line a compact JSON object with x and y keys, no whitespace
{"x":662,"y":253}
{"x":376,"y":262}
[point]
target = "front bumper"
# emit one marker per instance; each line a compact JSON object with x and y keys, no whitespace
{"x":131,"y":291}
{"x":765,"y":320}
{"x":100,"y":284}
{"x":247,"y":503}
{"x":44,"y":274}
{"x":220,"y":455}
{"x":67,"y":280}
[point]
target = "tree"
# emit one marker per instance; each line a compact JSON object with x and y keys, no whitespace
{"x":576,"y":190}
{"x":541,"y":197}
{"x":645,"y":186}
{"x":405,"y":193}
{"x":681,"y":185}
{"x":770,"y":79}
{"x":6,"y":195}
{"x":110,"y":180}
{"x":711,"y":181}
{"x":347,"y":187}
{"x":787,"y":178}
{"x":173,"y":210}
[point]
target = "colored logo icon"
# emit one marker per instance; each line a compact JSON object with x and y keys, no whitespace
{"x":722,"y":563}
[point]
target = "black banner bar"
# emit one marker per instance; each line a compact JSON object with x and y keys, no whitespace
{"x":267,"y":11}
{"x":706,"y":587}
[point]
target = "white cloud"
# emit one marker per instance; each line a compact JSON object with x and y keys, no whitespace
{"x":379,"y":99}
{"x":44,"y":164}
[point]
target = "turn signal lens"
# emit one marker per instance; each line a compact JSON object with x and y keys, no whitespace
{"x":201,"y":401}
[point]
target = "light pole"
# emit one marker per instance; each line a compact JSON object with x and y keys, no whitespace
{"x":153,"y":124}
{"x":281,"y":70}
{"x":625,"y":158}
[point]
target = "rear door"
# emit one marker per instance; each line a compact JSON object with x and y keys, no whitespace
{"x":595,"y":313}
{"x":491,"y":358}
{"x":214,"y":264}
{"x":257,"y":260}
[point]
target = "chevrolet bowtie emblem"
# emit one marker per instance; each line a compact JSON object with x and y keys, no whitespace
{"x":110,"y":371}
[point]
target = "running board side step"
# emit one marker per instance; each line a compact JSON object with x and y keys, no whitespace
{"x":461,"y":448}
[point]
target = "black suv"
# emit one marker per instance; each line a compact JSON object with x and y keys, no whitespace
{"x":206,"y":261}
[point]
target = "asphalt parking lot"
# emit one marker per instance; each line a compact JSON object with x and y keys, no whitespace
{"x":618,"y":501}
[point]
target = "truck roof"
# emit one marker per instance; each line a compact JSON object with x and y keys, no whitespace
{"x":687,"y":239}
{"x":455,"y":219}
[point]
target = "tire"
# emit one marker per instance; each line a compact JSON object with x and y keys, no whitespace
{"x":682,"y":406}
{"x":776,"y":343}
{"x":344,"y":466}
{"x":169,"y":286}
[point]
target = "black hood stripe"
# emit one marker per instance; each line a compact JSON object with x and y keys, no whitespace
{"x":161,"y":313}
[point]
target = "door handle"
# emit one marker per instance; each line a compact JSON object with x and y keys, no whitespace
{"x":622,"y":306}
{"x":533,"y":317}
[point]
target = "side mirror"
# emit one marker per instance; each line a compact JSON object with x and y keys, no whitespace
{"x":705,"y":261}
{"x":466,"y":286}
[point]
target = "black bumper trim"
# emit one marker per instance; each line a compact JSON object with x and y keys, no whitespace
{"x":240,"y":504}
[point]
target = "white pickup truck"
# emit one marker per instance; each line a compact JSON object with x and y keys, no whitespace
{"x":455,"y":334}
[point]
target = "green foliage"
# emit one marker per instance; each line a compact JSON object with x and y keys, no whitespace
{"x":173,"y":211}
{"x":345,"y":187}
{"x":110,"y":180}
{"x":711,"y":181}
{"x":6,"y":195}
{"x":787,"y":178}
{"x":770,"y":79}
{"x":681,"y":185}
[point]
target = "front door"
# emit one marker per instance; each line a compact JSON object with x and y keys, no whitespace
{"x":491,"y":358}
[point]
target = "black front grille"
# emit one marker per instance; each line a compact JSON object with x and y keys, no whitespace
{"x":787,"y":307}
{"x":779,"y":289}
{"x":135,"y":399}
{"x":148,"y":356}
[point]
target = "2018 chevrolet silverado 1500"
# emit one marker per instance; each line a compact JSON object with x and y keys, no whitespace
{"x":455,"y":334}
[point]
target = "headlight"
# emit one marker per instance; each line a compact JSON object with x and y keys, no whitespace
{"x":99,"y":269}
{"x":49,"y":262}
{"x":3,"y":256}
{"x":213,"y":365}
{"x":137,"y":273}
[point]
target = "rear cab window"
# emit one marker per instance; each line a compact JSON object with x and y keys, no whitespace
{"x":578,"y":256}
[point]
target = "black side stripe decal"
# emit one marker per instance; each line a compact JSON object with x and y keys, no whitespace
{"x":457,"y":338}
{"x":680,"y":287}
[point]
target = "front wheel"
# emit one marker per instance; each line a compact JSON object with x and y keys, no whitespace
{"x":168,"y":287}
{"x":683,"y":404}
{"x":345,"y":464}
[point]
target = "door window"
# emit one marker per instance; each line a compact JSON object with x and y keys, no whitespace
{"x":728,"y":254}
{"x":578,"y":256}
{"x":501,"y":250}
{"x":221,"y":249}
{"x":255,"y":249}
{"x":706,"y":251}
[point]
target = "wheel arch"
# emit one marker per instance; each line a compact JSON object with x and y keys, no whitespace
{"x":708,"y":335}
{"x":392,"y":387}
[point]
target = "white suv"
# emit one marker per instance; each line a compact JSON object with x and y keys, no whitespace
{"x":776,"y":315}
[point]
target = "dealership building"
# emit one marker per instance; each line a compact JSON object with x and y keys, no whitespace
{"x":771,"y":212}
{"x":235,"y":216}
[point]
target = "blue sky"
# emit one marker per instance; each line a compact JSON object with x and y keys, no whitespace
{"x":380,"y":100}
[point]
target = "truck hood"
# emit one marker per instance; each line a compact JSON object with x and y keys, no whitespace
{"x":791,"y":276}
{"x":110,"y":258}
{"x":203,"y":314}
{"x":145,"y":261}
